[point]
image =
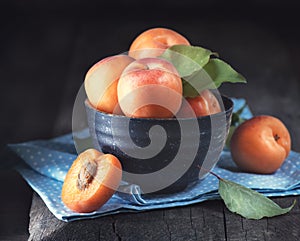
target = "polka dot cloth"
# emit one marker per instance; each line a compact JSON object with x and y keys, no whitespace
{"x":46,"y":162}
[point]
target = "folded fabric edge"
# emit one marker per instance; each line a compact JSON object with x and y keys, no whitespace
{"x":140,"y":208}
{"x":136,"y":209}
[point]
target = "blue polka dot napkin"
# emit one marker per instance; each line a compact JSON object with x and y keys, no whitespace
{"x":45,"y":163}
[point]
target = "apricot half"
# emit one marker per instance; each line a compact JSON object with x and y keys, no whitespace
{"x":260,"y":144}
{"x":91,"y":181}
{"x":152,"y":42}
{"x":101,"y":82}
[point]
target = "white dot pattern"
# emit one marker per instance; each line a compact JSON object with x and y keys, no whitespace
{"x":46,"y":163}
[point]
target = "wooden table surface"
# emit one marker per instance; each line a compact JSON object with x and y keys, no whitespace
{"x":45,"y":53}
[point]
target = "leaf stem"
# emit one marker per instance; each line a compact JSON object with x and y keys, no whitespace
{"x":240,"y":110}
{"x":216,"y":175}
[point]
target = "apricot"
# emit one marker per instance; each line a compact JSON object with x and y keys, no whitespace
{"x":204,"y":104}
{"x":152,"y":42}
{"x":91,"y":181}
{"x":260,"y":144}
{"x":150,"y":88}
{"x":101,"y":82}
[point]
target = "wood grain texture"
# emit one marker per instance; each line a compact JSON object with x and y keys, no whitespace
{"x":276,"y":228}
{"x":209,"y":220}
{"x":205,"y":221}
{"x":45,"y":54}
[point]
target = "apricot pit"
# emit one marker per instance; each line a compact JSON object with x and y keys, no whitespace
{"x":86,"y":174}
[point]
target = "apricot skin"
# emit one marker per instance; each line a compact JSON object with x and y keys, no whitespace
{"x":152,"y":42}
{"x":150,"y":88}
{"x":202,"y":105}
{"x":101,"y":82}
{"x":260,"y":144}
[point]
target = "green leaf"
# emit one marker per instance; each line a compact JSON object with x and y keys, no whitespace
{"x":196,"y":82}
{"x":230,"y":133}
{"x":221,"y":72}
{"x":211,"y":76}
{"x":187,"y":59}
{"x":236,"y":120}
{"x":198,"y":70}
{"x":247,"y":202}
{"x":188,"y":90}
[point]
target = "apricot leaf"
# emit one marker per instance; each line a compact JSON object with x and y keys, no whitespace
{"x":247,"y":202}
{"x":221,"y":72}
{"x":229,"y":135}
{"x":195,"y":83}
{"x":188,"y":90}
{"x":187,"y":59}
{"x":236,"y":120}
{"x":198,"y":70}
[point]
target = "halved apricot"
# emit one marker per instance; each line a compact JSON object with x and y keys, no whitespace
{"x":91,"y":181}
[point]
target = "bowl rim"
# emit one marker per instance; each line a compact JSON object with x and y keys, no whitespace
{"x":227,"y":98}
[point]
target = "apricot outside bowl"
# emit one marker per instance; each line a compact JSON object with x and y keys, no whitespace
{"x":127,"y":138}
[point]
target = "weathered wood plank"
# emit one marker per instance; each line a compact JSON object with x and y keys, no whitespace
{"x":45,"y":226}
{"x":287,"y":226}
{"x":180,"y":223}
{"x":204,"y":221}
{"x":276,"y":228}
{"x":208,"y":220}
{"x":141,"y":226}
{"x":38,"y":66}
{"x":13,"y":213}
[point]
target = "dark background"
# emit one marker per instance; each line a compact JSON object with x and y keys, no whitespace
{"x":46,"y":48}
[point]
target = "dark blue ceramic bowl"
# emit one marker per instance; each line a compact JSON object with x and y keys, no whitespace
{"x":161,"y":155}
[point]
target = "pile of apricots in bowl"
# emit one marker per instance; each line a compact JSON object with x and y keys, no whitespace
{"x":142,"y":84}
{"x":161,"y":79}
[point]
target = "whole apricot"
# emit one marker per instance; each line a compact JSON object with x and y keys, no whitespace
{"x":150,"y":88}
{"x":204,"y":104}
{"x":152,"y":42}
{"x":101,"y":82}
{"x":260,"y":144}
